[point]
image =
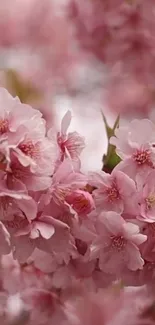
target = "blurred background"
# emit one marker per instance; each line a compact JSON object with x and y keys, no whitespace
{"x":43,"y":62}
{"x":92,"y":57}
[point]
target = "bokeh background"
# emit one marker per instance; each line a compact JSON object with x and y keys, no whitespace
{"x":42,"y":62}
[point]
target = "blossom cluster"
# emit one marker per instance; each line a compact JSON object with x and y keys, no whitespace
{"x":67,"y":236}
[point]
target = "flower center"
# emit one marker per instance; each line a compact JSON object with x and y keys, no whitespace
{"x":79,"y":202}
{"x":150,"y":201}
{"x":30,"y":149}
{"x":4,"y":124}
{"x":118,"y":243}
{"x":113,"y":193}
{"x":71,"y":143}
{"x":142,"y":157}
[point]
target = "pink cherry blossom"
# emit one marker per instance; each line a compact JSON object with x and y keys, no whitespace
{"x":16,"y":203}
{"x":36,"y":150}
{"x":115,"y":192}
{"x":135,"y":147}
{"x":23,"y":131}
{"x":146,"y":193}
{"x":22,"y":246}
{"x":148,"y":248}
{"x":117,"y":244}
{"x":45,"y":233}
{"x":77,"y":248}
{"x":46,"y":262}
{"x":67,"y":177}
{"x":81,"y":201}
{"x":14,"y":116}
{"x":70,"y":144}
{"x":32,"y":181}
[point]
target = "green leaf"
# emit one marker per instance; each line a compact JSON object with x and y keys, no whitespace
{"x":111,"y":159}
{"x":110,"y":131}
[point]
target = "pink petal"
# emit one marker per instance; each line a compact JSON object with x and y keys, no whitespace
{"x":4,"y":240}
{"x":52,"y":221}
{"x":66,"y":122}
{"x":63,"y":171}
{"x":99,"y":179}
{"x":130,"y":229}
{"x":113,"y":222}
{"x":46,"y":230}
{"x":29,"y":207}
{"x":23,"y":232}
{"x":135,"y":260}
{"x":24,"y":247}
{"x":125,"y":184}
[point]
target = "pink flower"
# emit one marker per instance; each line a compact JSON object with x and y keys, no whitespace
{"x":23,"y":246}
{"x":146,"y":189}
{"x":66,"y":178}
{"x":135,"y":147}
{"x":117,"y":244}
{"x":32,"y":181}
{"x":46,"y":262}
{"x":23,"y":131}
{"x":115,"y":192}
{"x":16,"y":203}
{"x":14,"y":116}
{"x":81,"y":201}
{"x":148,"y":248}
{"x":36,"y":150}
{"x":45,"y":233}
{"x":71,"y":144}
{"x":57,"y":234}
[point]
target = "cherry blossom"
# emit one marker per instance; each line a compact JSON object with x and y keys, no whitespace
{"x":77,"y":247}
{"x":81,"y":201}
{"x":135,"y":147}
{"x":117,"y":244}
{"x":64,"y":231}
{"x":70,"y":144}
{"x":146,"y":194}
{"x":67,"y":176}
{"x":115,"y":192}
{"x":32,"y":181}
